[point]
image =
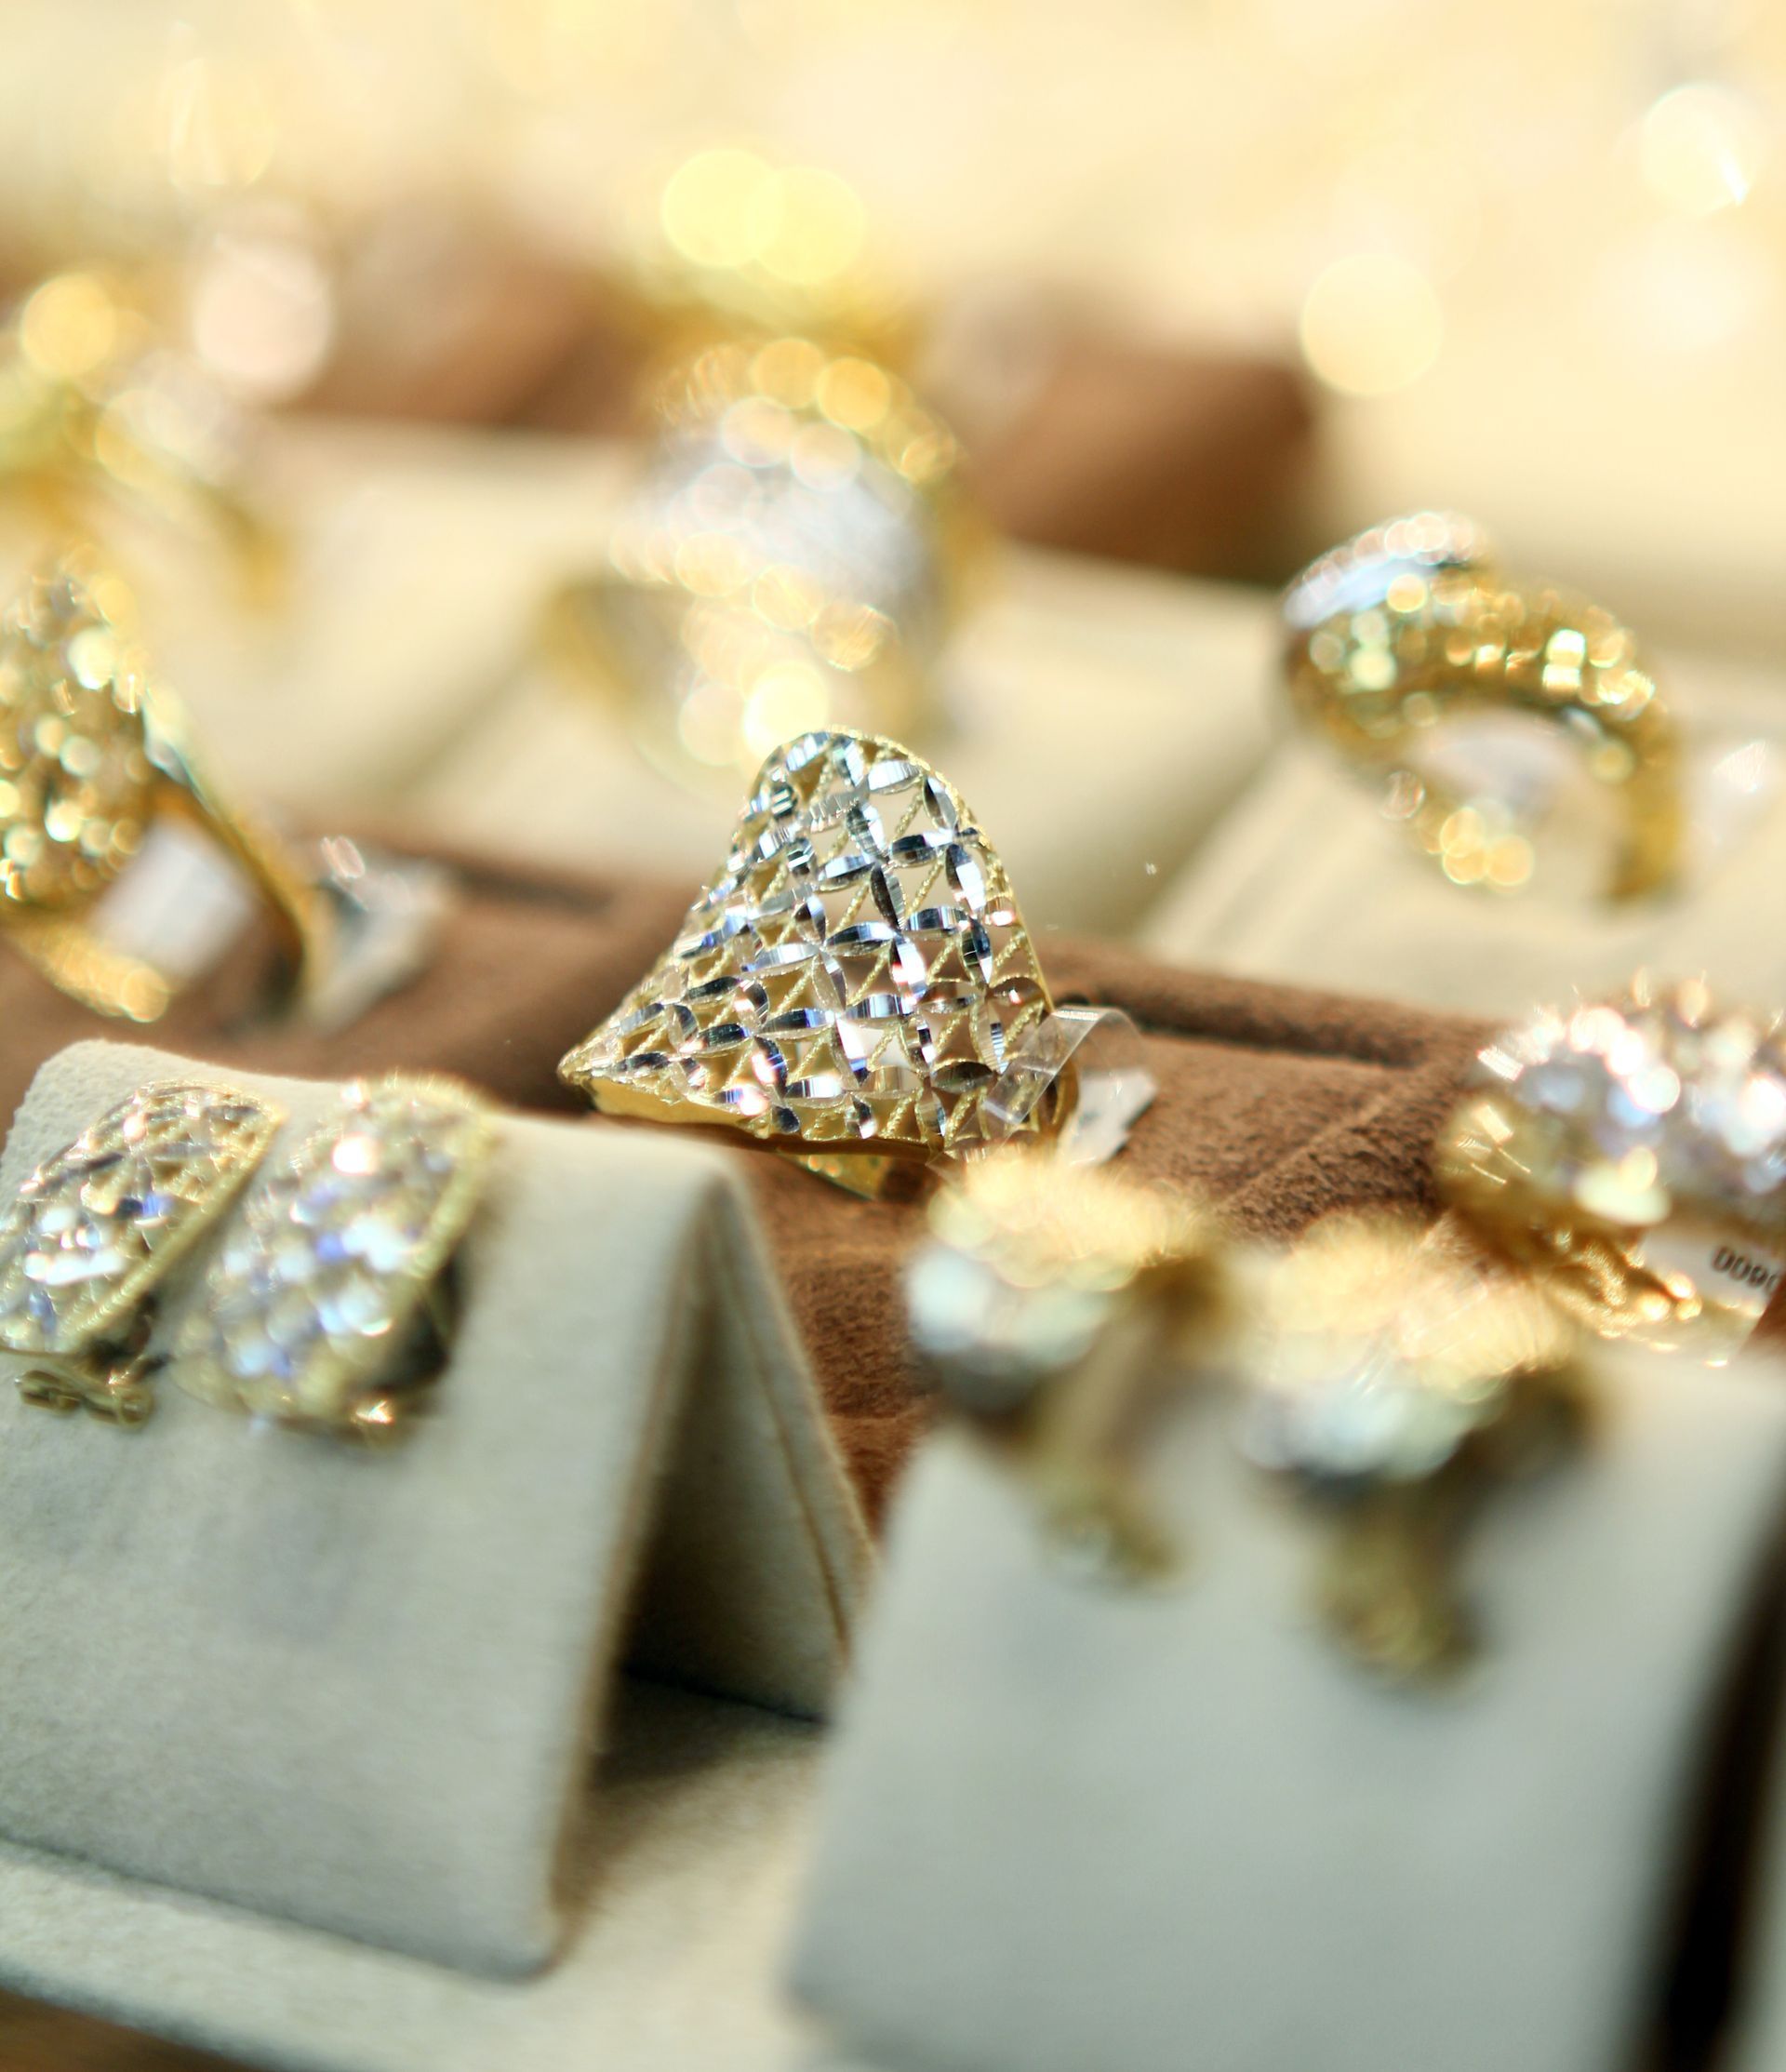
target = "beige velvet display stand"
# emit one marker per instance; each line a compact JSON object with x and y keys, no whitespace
{"x":1067,"y":1826}
{"x":294,"y":1730}
{"x":1305,"y":881}
{"x":417,"y":560}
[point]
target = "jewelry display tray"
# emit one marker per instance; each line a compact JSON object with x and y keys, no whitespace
{"x":1064,"y":1824}
{"x":683,"y":1894}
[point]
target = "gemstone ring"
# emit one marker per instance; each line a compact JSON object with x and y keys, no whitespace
{"x":791,"y":557}
{"x":1415,"y":656}
{"x":1633,"y":1151}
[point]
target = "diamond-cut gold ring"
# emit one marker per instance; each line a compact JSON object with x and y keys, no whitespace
{"x":855,"y":986}
{"x":1412,"y":627}
{"x":1634,"y":1152}
{"x":102,"y":801}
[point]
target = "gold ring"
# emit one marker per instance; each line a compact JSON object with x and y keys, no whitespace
{"x":328,"y":1307}
{"x":1062,"y":1310}
{"x":791,"y":559}
{"x":1397,"y":1375}
{"x":112,"y":833}
{"x":1412,"y":628}
{"x":94,"y":409}
{"x":854,"y":987}
{"x":92,"y":1233}
{"x":1635,"y":1151}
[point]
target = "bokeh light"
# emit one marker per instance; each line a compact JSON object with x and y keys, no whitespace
{"x":1371,"y":325}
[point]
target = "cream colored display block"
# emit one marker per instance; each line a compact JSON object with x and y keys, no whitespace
{"x":418,"y":563}
{"x":1101,"y":720}
{"x":670,"y":1965}
{"x":1305,"y":882}
{"x":356,"y":1688}
{"x":1070,"y":1826}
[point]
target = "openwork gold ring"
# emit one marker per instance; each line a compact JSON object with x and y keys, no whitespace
{"x":855,"y":986}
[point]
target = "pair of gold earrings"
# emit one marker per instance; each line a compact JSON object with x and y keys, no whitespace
{"x":323,"y":1306}
{"x":1389,"y":1377}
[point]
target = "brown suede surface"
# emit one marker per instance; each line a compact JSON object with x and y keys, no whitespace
{"x":1277,"y":1103}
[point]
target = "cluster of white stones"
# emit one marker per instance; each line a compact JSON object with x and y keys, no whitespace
{"x":305,"y":1303}
{"x":95,"y":1226}
{"x":1627,"y":1109}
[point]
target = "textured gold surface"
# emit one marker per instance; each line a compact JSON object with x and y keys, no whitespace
{"x":853,"y":979}
{"x":1414,"y":624}
{"x":76,"y":786}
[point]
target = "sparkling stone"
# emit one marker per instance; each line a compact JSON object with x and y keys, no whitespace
{"x":1628,"y":1108}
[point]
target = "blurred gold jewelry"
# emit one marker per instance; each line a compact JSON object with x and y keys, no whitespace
{"x":95,"y":410}
{"x":1412,"y":627}
{"x":1634,"y":1152}
{"x":856,"y":987}
{"x":1398,"y":1374}
{"x":94,"y":1232}
{"x":1064,"y":1310}
{"x":92,"y":755}
{"x":791,"y":560}
{"x":328,"y":1307}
